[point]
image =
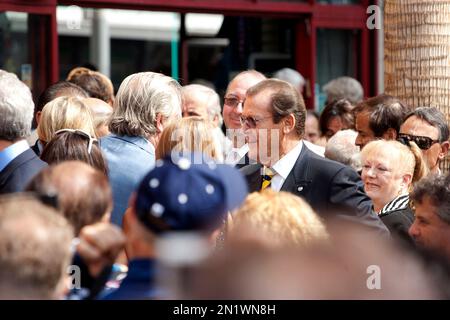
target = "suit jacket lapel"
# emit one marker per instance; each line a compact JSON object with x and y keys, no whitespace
{"x":298,"y":179}
{"x":253,"y":175}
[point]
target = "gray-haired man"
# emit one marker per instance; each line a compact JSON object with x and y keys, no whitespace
{"x":18,"y":163}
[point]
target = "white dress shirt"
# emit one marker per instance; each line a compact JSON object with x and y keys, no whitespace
{"x":319,"y":150}
{"x":284,"y":166}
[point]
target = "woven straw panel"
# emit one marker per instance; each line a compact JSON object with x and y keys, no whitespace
{"x":417,"y":54}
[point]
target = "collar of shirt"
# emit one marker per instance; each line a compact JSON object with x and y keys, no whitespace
{"x":40,"y":146}
{"x":10,"y":153}
{"x":315,"y":148}
{"x":138,"y":141}
{"x":284,"y":166}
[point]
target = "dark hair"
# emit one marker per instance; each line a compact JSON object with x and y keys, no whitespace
{"x":434,"y":117}
{"x":341,"y":108}
{"x":93,"y":84}
{"x":285,"y":100}
{"x":437,"y":188}
{"x":72,"y":146}
{"x":61,"y":88}
{"x":386,"y":112}
{"x":82,"y":205}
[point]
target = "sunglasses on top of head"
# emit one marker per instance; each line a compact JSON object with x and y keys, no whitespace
{"x":80,"y":133}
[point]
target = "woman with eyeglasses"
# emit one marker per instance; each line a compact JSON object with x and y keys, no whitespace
{"x":63,"y":113}
{"x":389,"y":170}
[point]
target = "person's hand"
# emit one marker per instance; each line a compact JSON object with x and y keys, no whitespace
{"x":100,"y":245}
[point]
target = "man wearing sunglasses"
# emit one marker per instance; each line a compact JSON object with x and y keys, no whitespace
{"x":273,"y":122}
{"x":232,"y":110}
{"x":427,"y":127}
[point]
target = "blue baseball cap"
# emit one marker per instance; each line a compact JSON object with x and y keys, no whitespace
{"x":182,"y":193}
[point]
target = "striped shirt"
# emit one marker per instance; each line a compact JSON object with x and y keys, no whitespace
{"x":398,"y":203}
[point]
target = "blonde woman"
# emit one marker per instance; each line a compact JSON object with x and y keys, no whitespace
{"x":63,"y":113}
{"x":280,"y":218}
{"x":191,"y":134}
{"x":389,"y":170}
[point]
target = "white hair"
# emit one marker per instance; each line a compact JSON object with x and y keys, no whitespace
{"x":292,"y":76}
{"x":344,"y":88}
{"x":208,"y":97}
{"x":141,"y":97}
{"x":16,"y":107}
{"x":341,"y":148}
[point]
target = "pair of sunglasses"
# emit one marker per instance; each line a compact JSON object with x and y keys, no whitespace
{"x":251,"y":122}
{"x":81,"y":133}
{"x":422,"y":142}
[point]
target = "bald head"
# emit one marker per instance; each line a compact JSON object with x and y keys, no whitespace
{"x":251,"y":77}
{"x":236,"y":91}
{"x":101,"y":112}
{"x":83,"y":193}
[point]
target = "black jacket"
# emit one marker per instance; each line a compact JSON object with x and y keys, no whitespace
{"x":16,"y":175}
{"x":331,"y":189}
{"x":398,"y":218}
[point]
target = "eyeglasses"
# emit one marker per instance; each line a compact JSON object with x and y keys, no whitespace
{"x":422,"y":142}
{"x":251,"y":122}
{"x":233,"y":102}
{"x":81,"y":133}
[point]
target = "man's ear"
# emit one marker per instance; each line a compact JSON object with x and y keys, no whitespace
{"x":390,"y":134}
{"x":289,"y":123}
{"x":159,"y":123}
{"x":38,"y":116}
{"x":216,"y":121}
{"x":444,"y":149}
{"x":129,"y":216}
{"x":129,"y":220}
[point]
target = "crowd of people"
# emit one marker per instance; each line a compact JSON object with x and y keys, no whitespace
{"x":159,"y":191}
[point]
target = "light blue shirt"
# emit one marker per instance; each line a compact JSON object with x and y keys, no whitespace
{"x":10,"y":153}
{"x":129,"y":160}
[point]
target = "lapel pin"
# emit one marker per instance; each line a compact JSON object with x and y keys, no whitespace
{"x":299,"y":189}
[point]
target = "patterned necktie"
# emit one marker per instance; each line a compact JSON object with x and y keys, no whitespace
{"x":267,"y":178}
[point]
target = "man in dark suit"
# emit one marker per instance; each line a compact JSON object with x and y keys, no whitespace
{"x":273,"y":121}
{"x":18,"y":163}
